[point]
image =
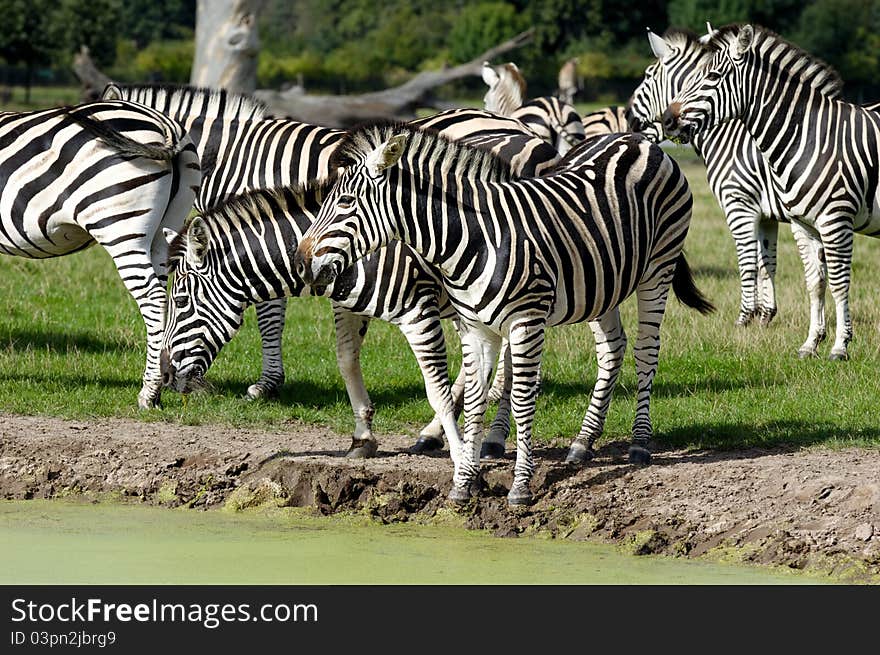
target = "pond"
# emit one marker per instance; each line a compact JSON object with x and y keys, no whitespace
{"x":65,"y":542}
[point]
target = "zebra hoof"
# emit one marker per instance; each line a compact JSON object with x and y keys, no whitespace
{"x":425,"y":445}
{"x":743,"y":320}
{"x":579,"y":453}
{"x":806,"y":353}
{"x":149,"y":403}
{"x":519,"y":495}
{"x":639,"y":455}
{"x":362,"y":449}
{"x":491,"y":450}
{"x":765,"y":317}
{"x":261,"y":392}
{"x":838,"y":356}
{"x":459,"y":495}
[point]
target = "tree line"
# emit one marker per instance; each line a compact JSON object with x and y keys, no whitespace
{"x":344,"y":46}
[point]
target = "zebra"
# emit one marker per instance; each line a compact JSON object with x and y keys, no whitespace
{"x":236,"y":254}
{"x":518,"y":256}
{"x":822,"y":152}
{"x":557,"y":122}
{"x":608,"y":120}
{"x":111,"y":173}
{"x":240,"y":150}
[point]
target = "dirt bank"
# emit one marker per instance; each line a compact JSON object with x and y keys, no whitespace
{"x":817,"y":509}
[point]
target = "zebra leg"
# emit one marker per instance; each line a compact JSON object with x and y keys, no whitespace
{"x":493,"y":443}
{"x":350,"y":332}
{"x":768,"y":237}
{"x":479,"y":354}
{"x":812,"y":254}
{"x":498,"y":384}
{"x":837,"y":238}
{"x":610,"y":349}
{"x":431,"y":436}
{"x":270,"y":321}
{"x":526,"y":349}
{"x":425,"y":338}
{"x":742,"y":227}
{"x":651,"y":296}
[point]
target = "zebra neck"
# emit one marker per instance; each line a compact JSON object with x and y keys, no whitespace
{"x":259,"y":241}
{"x":447,"y":229}
{"x":784,"y":118}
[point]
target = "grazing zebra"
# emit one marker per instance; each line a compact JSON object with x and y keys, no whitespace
{"x":518,"y":256}
{"x":241,"y":150}
{"x":823,"y":153}
{"x":238,"y":254}
{"x":111,"y":173}
{"x":551,"y":119}
{"x":608,"y":120}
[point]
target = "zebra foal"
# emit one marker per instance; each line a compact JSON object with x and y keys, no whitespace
{"x":112,"y":173}
{"x":516,"y":257}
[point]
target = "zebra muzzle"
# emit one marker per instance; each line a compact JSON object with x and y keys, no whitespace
{"x":166,"y":368}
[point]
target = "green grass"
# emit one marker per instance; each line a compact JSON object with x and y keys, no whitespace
{"x":71,"y":344}
{"x":42,"y":97}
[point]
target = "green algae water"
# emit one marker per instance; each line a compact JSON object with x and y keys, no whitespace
{"x":62,"y":542}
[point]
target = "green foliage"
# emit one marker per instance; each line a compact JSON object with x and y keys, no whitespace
{"x":845,"y":34}
{"x":480,"y":26}
{"x":25,"y":35}
{"x":93,"y":23}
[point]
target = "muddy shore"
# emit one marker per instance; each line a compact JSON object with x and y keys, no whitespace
{"x":816,"y":509}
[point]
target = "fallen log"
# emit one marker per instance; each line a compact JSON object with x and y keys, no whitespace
{"x":399,"y":102}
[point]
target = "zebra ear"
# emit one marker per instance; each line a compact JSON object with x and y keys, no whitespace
{"x":658,"y":46}
{"x":709,"y":33}
{"x":386,"y":155}
{"x":196,"y":242}
{"x":170,"y":235}
{"x":744,"y":39}
{"x":111,"y":92}
{"x":490,"y":76}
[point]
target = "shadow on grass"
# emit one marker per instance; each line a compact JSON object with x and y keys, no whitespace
{"x":660,"y":389}
{"x":311,"y":393}
{"x":71,"y":380}
{"x":747,"y":438}
{"x":60,"y":342}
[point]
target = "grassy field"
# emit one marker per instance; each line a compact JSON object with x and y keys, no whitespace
{"x":72,"y":345}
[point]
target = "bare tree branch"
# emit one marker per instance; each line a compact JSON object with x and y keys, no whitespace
{"x":399,"y":102}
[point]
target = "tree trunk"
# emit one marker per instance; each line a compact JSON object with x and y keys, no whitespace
{"x":226,"y":44}
{"x":399,"y":102}
{"x":93,"y":81}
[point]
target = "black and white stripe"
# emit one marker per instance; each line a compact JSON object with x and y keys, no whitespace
{"x":112,"y":173}
{"x":823,"y":153}
{"x":242,"y":151}
{"x":608,"y":120}
{"x":553,"y":120}
{"x":518,"y":256}
{"x":238,"y":254}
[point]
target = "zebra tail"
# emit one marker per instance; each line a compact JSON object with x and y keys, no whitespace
{"x":125,"y":145}
{"x":686,"y":290}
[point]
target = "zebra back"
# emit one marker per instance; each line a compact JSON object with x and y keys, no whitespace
{"x":239,"y":148}
{"x":607,"y":120}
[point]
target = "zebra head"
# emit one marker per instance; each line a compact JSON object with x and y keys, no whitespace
{"x":507,"y":88}
{"x":357,"y":217}
{"x":713,"y":94}
{"x":679,"y":54}
{"x":203,"y":314}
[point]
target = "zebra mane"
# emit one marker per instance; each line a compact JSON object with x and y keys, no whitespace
{"x":681,"y":38}
{"x":217,"y":103}
{"x":249,"y":204}
{"x":465,"y":161}
{"x":805,"y":66}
